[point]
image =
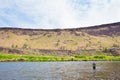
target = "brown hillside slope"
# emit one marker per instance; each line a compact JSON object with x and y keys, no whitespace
{"x":94,"y":37}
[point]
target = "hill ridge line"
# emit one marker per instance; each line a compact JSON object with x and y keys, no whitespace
{"x":79,"y":28}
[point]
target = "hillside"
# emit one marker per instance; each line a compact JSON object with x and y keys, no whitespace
{"x":99,"y":37}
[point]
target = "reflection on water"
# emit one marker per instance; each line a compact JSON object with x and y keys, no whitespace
{"x":59,"y":71}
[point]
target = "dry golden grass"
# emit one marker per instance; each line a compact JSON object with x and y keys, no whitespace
{"x":51,"y":40}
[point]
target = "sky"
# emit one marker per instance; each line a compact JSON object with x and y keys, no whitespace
{"x":54,"y":14}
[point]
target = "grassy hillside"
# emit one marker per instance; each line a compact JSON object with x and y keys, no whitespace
{"x":91,"y":38}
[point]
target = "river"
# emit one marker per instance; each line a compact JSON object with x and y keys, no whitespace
{"x":105,"y":70}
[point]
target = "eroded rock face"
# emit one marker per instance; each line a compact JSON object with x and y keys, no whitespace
{"x":8,"y":50}
{"x":107,"y":29}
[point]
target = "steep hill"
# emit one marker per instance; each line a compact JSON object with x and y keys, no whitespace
{"x":88,"y":38}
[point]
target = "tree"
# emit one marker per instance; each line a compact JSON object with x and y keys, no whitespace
{"x":16,"y":46}
{"x":57,"y":44}
{"x":24,"y":46}
{"x":62,"y":47}
{"x":13,"y":46}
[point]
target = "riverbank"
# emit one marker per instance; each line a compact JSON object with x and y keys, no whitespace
{"x":32,"y":58}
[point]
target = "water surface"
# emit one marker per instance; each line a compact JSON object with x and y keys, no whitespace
{"x":59,"y":70}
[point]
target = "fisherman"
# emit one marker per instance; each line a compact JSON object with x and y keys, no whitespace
{"x":94,"y":66}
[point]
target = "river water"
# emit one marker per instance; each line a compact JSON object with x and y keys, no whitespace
{"x":105,"y":70}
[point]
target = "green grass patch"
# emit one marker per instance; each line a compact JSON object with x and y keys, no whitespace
{"x":31,"y":58}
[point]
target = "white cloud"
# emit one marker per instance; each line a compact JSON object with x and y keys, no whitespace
{"x":50,"y":13}
{"x":59,"y":13}
{"x":102,"y":12}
